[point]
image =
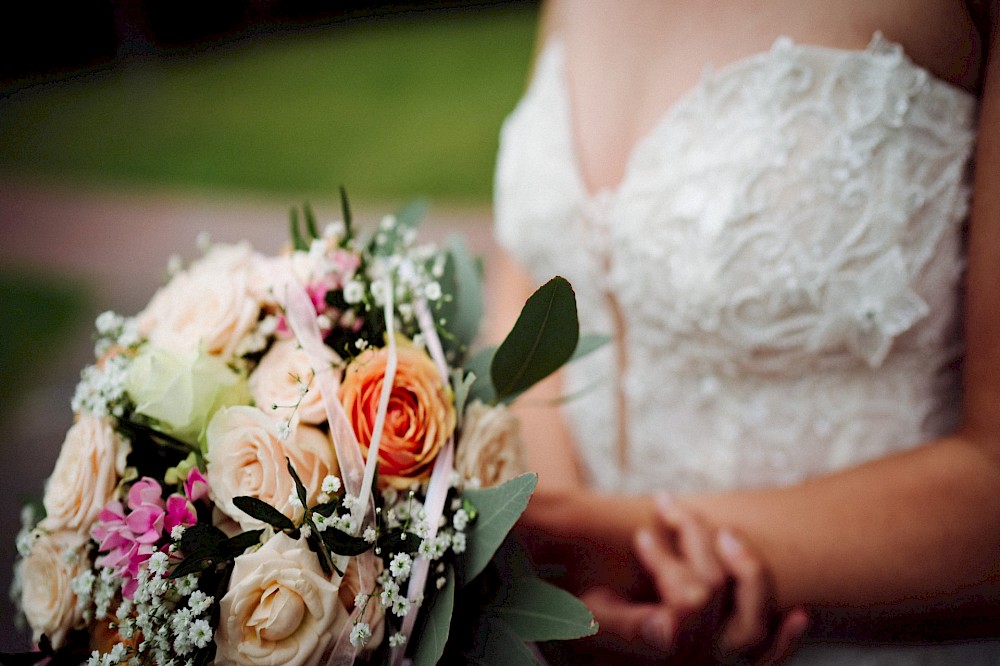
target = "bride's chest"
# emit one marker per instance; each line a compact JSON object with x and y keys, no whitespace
{"x":803,"y":203}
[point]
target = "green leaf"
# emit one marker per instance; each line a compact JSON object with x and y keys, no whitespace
{"x":498,"y":645}
{"x":461,"y":387}
{"x":298,"y":242}
{"x":479,"y":365}
{"x":467,"y":308}
{"x":238,"y":544}
{"x":539,"y":611}
{"x":430,"y":635}
{"x":410,"y":215}
{"x":398,"y":541}
{"x":542,"y":340}
{"x":310,"y":221}
{"x":201,"y":537}
{"x":342,"y":543}
{"x":300,"y":490}
{"x":345,"y":210}
{"x":263,"y":511}
{"x":498,"y":509}
{"x":588,"y":343}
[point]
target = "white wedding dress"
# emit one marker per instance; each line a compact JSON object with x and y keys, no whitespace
{"x":780,"y":267}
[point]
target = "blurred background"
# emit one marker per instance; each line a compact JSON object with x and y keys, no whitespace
{"x":128,"y":127}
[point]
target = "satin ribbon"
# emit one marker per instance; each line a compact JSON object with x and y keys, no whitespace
{"x":437,"y":489}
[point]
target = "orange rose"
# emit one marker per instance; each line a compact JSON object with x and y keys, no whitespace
{"x":420,"y":418}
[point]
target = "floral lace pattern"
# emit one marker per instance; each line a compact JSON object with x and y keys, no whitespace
{"x":786,"y":246}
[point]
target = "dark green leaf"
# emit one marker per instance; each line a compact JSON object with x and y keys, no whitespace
{"x":342,"y":543}
{"x":479,"y":365}
{"x":399,"y":541}
{"x":300,"y":490}
{"x":263,"y":511}
{"x":434,"y":623}
{"x":539,"y":611}
{"x":195,"y":562}
{"x":298,"y":242}
{"x":542,"y":340}
{"x":498,"y":645}
{"x":201,"y":537}
{"x":345,"y":210}
{"x":498,"y":509}
{"x":238,"y":544}
{"x":310,"y":221}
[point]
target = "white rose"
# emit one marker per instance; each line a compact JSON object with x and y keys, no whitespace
{"x":490,"y":447}
{"x":210,"y":305}
{"x":283,"y":373}
{"x":182,"y":391}
{"x":246,"y":456}
{"x":90,"y":463}
{"x":280,"y":608}
{"x":47,"y":597}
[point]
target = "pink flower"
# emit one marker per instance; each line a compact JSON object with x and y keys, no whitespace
{"x":195,"y":486}
{"x":128,"y":539}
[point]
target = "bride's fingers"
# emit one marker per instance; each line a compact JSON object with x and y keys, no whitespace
{"x":790,"y":632}
{"x":695,"y":540}
{"x":752,"y":601}
{"x":647,"y":625}
{"x":675,"y":580}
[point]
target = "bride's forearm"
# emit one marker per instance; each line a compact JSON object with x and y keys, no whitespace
{"x":922,"y":525}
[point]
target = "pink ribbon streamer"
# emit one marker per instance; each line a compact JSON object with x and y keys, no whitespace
{"x":437,"y":489}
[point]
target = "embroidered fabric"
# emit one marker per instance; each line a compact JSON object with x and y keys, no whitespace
{"x":786,"y":247}
{"x":784,"y":255}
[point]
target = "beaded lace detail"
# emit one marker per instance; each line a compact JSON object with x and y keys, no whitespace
{"x":786,"y":248}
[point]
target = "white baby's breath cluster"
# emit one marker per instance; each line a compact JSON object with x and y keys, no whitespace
{"x":171,"y":616}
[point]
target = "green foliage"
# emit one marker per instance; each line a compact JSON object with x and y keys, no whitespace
{"x":434,"y":623}
{"x":544,"y":337}
{"x":391,"y":108}
{"x":539,"y":611}
{"x":497,"y":510}
{"x":264,"y":512}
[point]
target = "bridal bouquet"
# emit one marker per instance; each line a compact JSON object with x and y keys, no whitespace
{"x":293,"y":460}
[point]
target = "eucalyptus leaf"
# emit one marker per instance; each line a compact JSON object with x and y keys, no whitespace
{"x":410,"y":215}
{"x":434,"y":623}
{"x":237,"y":545}
{"x":468,"y":306}
{"x":539,"y":611}
{"x":341,"y":543}
{"x":298,"y":242}
{"x":461,"y":386}
{"x":263,"y":511}
{"x":479,"y":365}
{"x":311,"y":229}
{"x":499,"y":645}
{"x":345,"y":211}
{"x":300,"y":490}
{"x":498,"y":509}
{"x":544,"y":337}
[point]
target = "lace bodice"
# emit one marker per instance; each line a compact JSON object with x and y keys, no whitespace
{"x":784,"y":254}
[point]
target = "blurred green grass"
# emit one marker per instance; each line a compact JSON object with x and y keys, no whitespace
{"x":391,"y":109}
{"x":41,"y":314}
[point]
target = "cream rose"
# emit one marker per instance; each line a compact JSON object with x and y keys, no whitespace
{"x":280,"y":608}
{"x":490,"y":447}
{"x":90,"y":463}
{"x":283,"y":373}
{"x":209,"y":306}
{"x":47,"y":597}
{"x":420,"y":418}
{"x":246,"y":456}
